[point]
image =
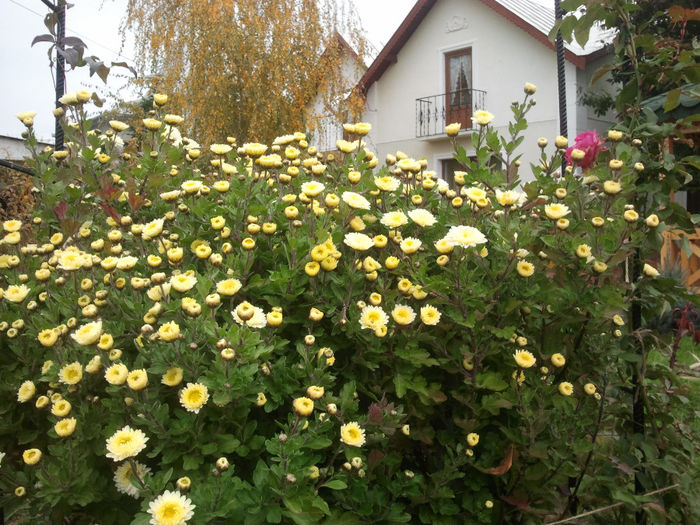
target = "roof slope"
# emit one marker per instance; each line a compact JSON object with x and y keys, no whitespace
{"x":532,"y":18}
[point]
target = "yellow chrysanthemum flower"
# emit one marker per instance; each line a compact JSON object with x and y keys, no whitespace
{"x":352,"y":434}
{"x":71,"y":374}
{"x":125,"y":443}
{"x":170,"y":508}
{"x":116,"y":374}
{"x":524,"y":359}
{"x":65,"y":427}
{"x":172,"y":377}
{"x":303,"y":406}
{"x":194,"y":396}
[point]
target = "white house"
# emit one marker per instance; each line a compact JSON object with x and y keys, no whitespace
{"x":331,"y":105}
{"x":449,"y":58}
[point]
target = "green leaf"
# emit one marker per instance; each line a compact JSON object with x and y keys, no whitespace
{"x":274,"y":514}
{"x":416,"y":356}
{"x":401,"y":384}
{"x":491,"y":381}
{"x":673,"y":98}
{"x":336,"y":484}
{"x":318,"y":443}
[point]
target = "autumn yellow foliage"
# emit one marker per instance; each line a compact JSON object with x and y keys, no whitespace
{"x":246,"y":69}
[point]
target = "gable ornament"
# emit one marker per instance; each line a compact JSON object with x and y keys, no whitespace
{"x":456,"y":23}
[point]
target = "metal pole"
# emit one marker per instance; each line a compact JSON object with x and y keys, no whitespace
{"x":561,"y":80}
{"x":60,"y":10}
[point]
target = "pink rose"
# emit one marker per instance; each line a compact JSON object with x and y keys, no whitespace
{"x":590,"y":143}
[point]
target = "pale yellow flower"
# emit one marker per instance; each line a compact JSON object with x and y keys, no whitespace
{"x":26,"y":391}
{"x":394,"y":219}
{"x":228,"y":287}
{"x":125,"y":443}
{"x":352,"y":434}
{"x":556,"y":211}
{"x":566,"y":388}
{"x":465,"y":236}
{"x":524,"y":359}
{"x":194,"y":396}
{"x":525,"y":268}
{"x":71,"y":374}
{"x":482,"y":117}
{"x":403,"y":314}
{"x":355,"y":200}
{"x":373,"y":317}
{"x":183,"y":282}
{"x":303,"y":406}
{"x":430,"y":315}
{"x":170,"y":508}
{"x":88,"y":333}
{"x":172,"y":377}
{"x":422,"y":217}
{"x":358,"y":241}
{"x":16,"y":293}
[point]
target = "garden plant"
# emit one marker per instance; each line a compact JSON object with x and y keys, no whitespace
{"x":261,"y":334}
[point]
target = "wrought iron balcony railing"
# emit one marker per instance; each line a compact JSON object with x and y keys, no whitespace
{"x":435,"y":112}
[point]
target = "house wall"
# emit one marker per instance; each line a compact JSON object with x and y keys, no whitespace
{"x":327,"y":128}
{"x":588,"y":119}
{"x":504,"y":57}
{"x":15,"y":149}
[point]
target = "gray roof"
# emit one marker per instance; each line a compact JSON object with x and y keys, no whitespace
{"x":542,"y":18}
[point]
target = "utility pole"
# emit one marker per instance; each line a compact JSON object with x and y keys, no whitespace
{"x":561,"y":80}
{"x":59,"y":9}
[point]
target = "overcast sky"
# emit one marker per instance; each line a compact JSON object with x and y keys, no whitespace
{"x":27,"y":82}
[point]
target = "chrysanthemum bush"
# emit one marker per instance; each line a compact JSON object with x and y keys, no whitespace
{"x":262,"y":333}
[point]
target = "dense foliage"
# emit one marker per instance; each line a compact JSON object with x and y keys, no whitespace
{"x":268,"y":334}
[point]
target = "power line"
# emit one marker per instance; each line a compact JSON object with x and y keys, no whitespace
{"x":84,"y":37}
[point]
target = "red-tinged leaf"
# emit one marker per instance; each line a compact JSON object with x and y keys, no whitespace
{"x":658,"y":508}
{"x":505,"y":464}
{"x":60,"y":210}
{"x":518,"y":501}
{"x":678,"y":14}
{"x":69,"y":226}
{"x":623,"y":467}
{"x":375,"y":413}
{"x":437,"y":395}
{"x":136,"y":201}
{"x":375,"y":458}
{"x":110,"y":211}
{"x":109,"y":192}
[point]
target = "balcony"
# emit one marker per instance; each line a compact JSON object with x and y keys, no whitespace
{"x":435,"y":112}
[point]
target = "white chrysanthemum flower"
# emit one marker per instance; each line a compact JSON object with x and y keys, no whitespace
{"x":473,"y":193}
{"x":170,"y":508}
{"x":123,"y":477}
{"x":358,"y":241}
{"x":387,"y":183}
{"x":125,"y":443}
{"x":355,"y":200}
{"x":422,"y":217}
{"x":373,"y":317}
{"x":465,"y":236}
{"x":258,"y":319}
{"x":194,"y":396}
{"x":183,"y":282}
{"x":403,"y":314}
{"x":394,"y":219}
{"x":312,"y":188}
{"x":510,"y":198}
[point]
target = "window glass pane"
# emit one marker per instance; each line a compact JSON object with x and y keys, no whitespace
{"x":459,"y":78}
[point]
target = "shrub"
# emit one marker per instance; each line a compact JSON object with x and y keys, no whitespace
{"x":263,"y":334}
